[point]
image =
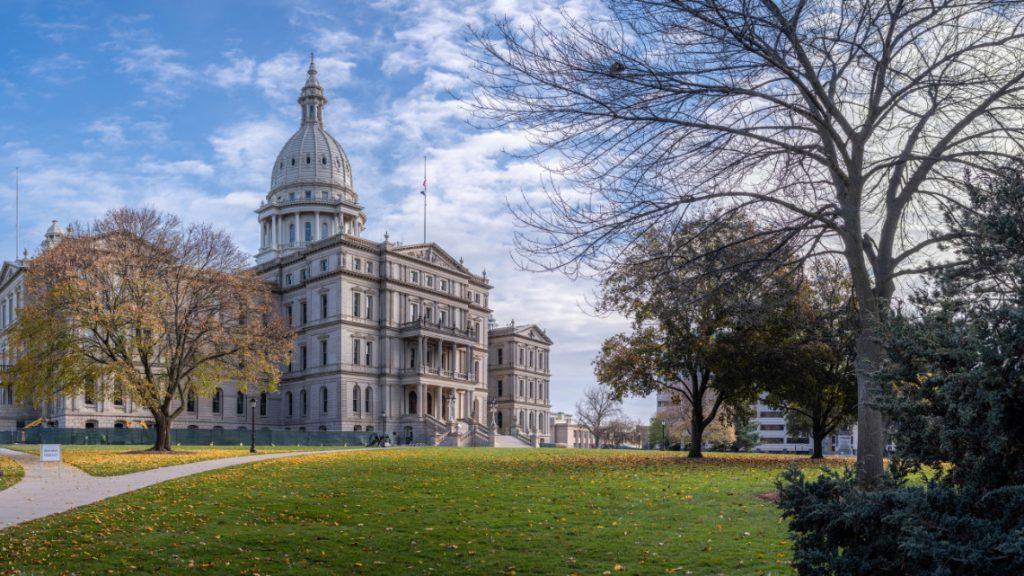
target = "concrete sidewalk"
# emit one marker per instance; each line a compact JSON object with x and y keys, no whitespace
{"x":49,"y":488}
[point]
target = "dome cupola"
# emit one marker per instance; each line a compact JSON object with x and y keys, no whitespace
{"x":312,"y":157}
{"x":311,"y":193}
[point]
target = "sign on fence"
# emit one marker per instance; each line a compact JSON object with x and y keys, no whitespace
{"x":49,"y":453}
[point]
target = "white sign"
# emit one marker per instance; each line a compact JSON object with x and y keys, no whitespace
{"x":49,"y":453}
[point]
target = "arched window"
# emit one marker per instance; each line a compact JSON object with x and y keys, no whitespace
{"x":430,"y":404}
{"x":303,"y":402}
{"x":288,"y":396}
{"x":323,"y":399}
{"x":190,"y":402}
{"x":323,"y":230}
{"x":540,"y":390}
{"x":368,"y":400}
{"x":498,"y":418}
{"x":522,"y":419}
{"x":309,"y":231}
{"x":239,"y":403}
{"x":291,"y":233}
{"x":218,"y":395}
{"x":412,"y":402}
{"x":263,"y":404}
{"x":355,"y":399}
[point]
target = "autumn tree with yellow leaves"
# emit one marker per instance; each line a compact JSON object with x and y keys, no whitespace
{"x":138,"y":305}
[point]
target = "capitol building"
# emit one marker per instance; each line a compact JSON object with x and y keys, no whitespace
{"x":389,"y":337}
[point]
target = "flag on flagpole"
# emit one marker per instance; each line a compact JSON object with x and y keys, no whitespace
{"x":424,"y":190}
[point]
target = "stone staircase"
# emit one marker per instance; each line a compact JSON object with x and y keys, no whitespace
{"x":506,"y":441}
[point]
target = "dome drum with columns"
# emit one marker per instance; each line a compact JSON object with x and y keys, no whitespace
{"x":311,"y":193}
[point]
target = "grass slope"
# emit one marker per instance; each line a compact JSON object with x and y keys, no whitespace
{"x":429,"y":511}
{"x":12,"y":472}
{"x":105,"y":460}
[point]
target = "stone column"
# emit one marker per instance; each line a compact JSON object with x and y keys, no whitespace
{"x":421,"y":399}
{"x":421,"y":360}
{"x":316,"y":226}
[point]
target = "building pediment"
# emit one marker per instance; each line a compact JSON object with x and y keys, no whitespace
{"x":433,"y":254}
{"x":8,"y":272}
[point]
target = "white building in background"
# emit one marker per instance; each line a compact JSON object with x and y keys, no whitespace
{"x":390,"y":337}
{"x":774,"y":435}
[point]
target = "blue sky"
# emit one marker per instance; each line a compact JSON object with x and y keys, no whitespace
{"x":183,"y":106}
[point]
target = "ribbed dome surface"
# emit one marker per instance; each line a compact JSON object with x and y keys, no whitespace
{"x":311,"y":157}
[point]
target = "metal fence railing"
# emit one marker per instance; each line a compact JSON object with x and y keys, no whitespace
{"x":186,"y":437}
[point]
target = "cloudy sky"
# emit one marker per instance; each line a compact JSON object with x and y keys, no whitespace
{"x":184,"y":109}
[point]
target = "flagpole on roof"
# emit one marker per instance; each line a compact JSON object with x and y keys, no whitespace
{"x":17,"y":212}
{"x":424,"y":192}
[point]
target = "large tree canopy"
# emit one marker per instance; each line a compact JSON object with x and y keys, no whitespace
{"x":695,"y":334}
{"x":140,"y":306}
{"x":806,"y":365}
{"x":845,"y":122}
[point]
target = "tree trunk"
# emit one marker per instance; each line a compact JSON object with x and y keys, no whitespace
{"x":696,"y":436}
{"x":818,"y":453}
{"x":163,"y":433}
{"x":870,"y":424}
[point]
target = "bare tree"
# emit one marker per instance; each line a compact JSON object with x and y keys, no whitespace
{"x":145,"y":308}
{"x":848,"y":123}
{"x":598,"y":408}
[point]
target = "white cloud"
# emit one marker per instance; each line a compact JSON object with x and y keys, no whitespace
{"x":248,"y":149}
{"x":177,"y":168}
{"x":238,"y":72}
{"x":59,"y":69}
{"x":159,"y":70}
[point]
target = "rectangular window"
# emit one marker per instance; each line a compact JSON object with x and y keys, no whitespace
{"x":428,"y":313}
{"x":304,"y":356}
{"x":323,"y":352}
{"x":442,"y":317}
{"x":444,"y":285}
{"x":288,"y":279}
{"x":302,"y":274}
{"x":369,"y":307}
{"x":323,"y":265}
{"x":356,"y":347}
{"x":369,"y":267}
{"x":414,"y":277}
{"x":773,"y":427}
{"x":430,"y":281}
{"x":500,"y":392}
{"x":323,"y":305}
{"x":500,"y":355}
{"x":357,"y":264}
{"x":414,"y":312}
{"x":304,"y":315}
{"x":288,"y":312}
{"x":357,"y":304}
{"x":369,"y":353}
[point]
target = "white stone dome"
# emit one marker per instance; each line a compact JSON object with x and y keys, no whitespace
{"x":312,"y":157}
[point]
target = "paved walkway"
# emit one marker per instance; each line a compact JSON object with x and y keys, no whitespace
{"x":50,"y":489}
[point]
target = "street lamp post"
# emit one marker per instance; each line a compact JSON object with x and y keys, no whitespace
{"x":252,"y":427}
{"x":664,"y":437}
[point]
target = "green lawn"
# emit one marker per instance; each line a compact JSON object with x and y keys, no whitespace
{"x":12,"y":472}
{"x":104,"y":460}
{"x":430,"y":511}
